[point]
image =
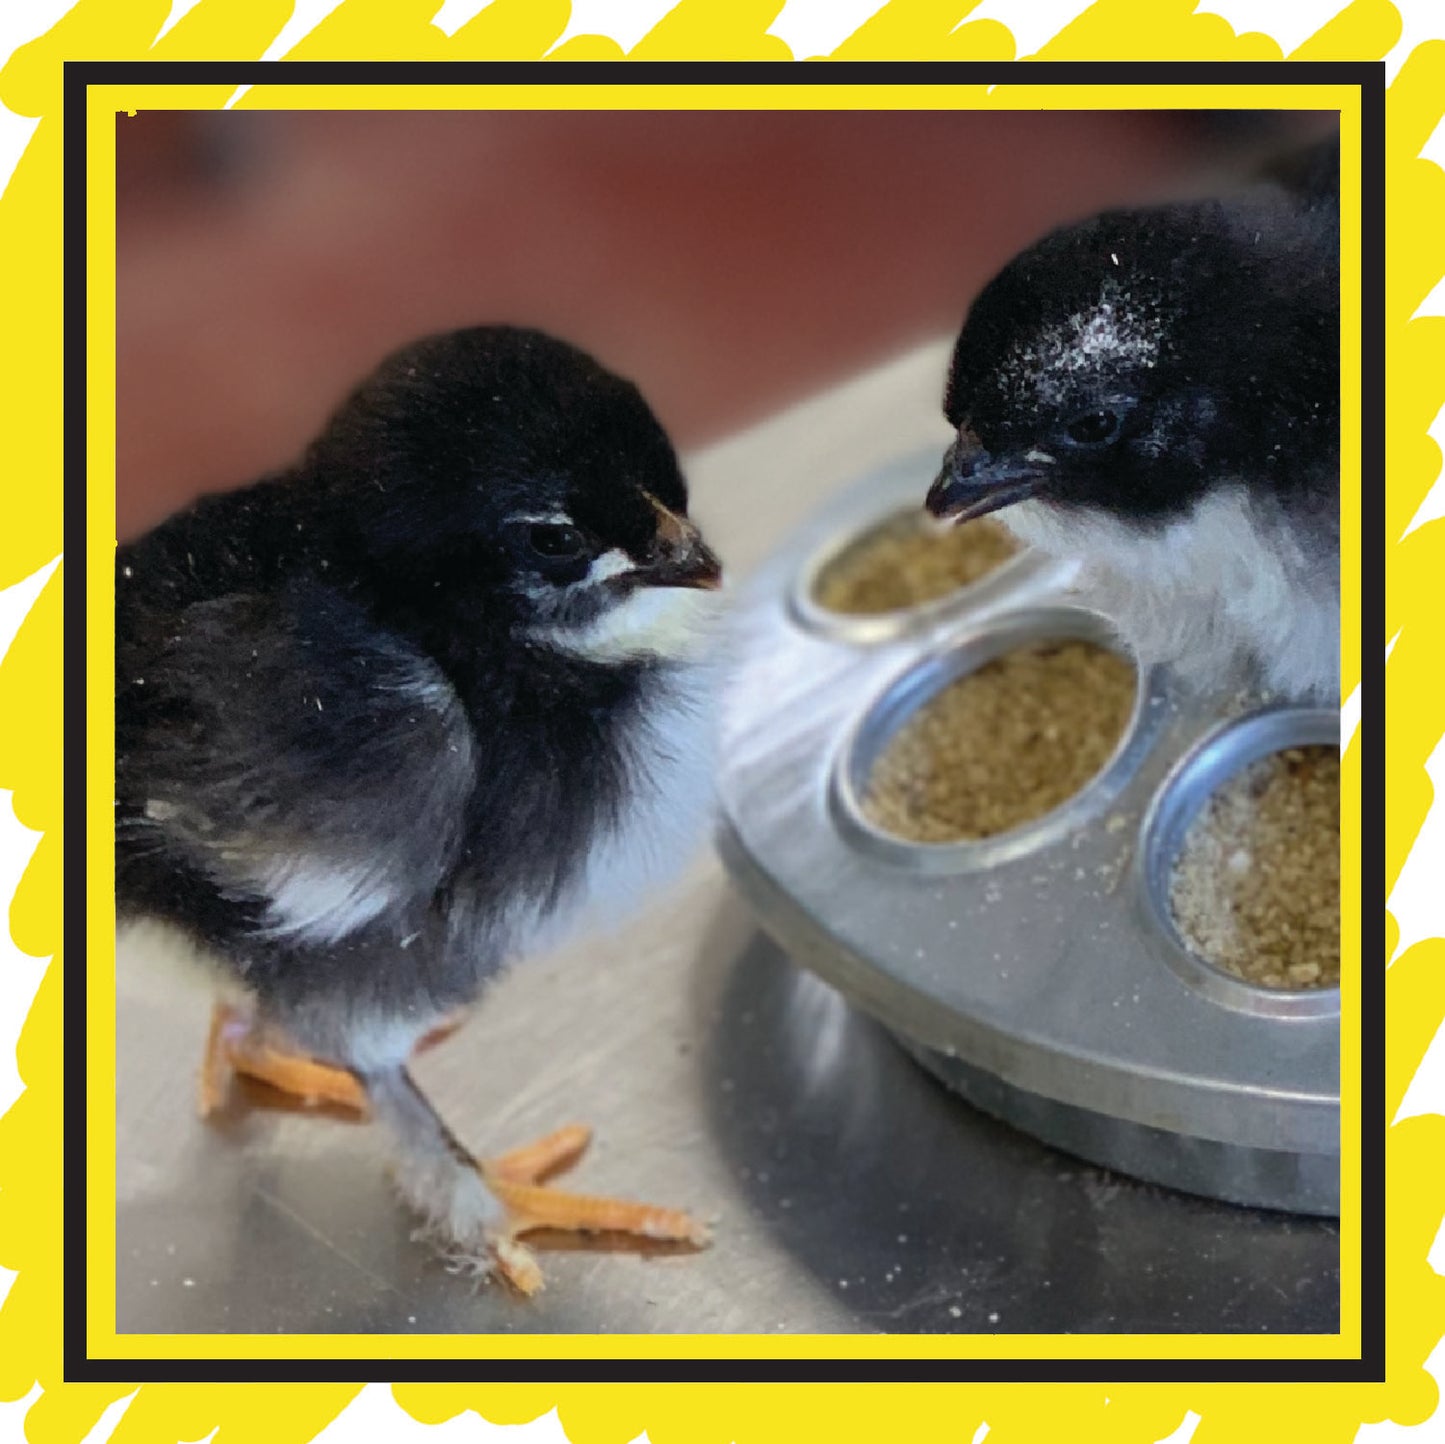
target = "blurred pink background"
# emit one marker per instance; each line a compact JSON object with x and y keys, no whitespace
{"x":730,"y":263}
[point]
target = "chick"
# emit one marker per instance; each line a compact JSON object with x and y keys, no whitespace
{"x":1156,"y":393}
{"x":405,"y":712}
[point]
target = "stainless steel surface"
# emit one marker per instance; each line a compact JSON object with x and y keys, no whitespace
{"x":1043,"y":958}
{"x":851,"y":1192}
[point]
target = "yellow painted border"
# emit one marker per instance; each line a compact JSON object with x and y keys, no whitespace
{"x":104,"y":103}
{"x":917,"y":29}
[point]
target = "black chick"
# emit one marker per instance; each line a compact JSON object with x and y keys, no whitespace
{"x":1156,"y":393}
{"x":396,"y":716}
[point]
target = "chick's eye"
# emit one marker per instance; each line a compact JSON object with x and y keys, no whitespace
{"x":1093,"y":428}
{"x":556,"y":542}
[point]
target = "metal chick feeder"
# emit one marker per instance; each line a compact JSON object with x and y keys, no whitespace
{"x":1038,"y":972}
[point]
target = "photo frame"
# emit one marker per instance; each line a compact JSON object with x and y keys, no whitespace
{"x":1211,"y":1373}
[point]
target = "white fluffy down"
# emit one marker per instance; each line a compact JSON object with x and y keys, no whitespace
{"x":1210,"y":594}
{"x":676,"y":623}
{"x":316,"y":901}
{"x":456,"y":1208}
{"x":673,"y":761}
{"x":665,"y":819}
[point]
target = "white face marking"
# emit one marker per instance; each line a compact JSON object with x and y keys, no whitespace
{"x":549,"y":518}
{"x":1039,"y":458}
{"x":613,"y":563}
{"x":675,"y":623}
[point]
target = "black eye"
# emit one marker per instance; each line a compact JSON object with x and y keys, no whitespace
{"x":1093,"y":428}
{"x":556,"y":541}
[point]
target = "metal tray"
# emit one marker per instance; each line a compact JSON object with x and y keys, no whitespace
{"x":1037,"y":972}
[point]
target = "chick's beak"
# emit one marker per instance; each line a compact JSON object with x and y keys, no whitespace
{"x":697,"y":566}
{"x":973,"y":483}
{"x":684,"y":559}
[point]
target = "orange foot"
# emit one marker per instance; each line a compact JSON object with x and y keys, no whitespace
{"x":515,"y":1179}
{"x":236,"y":1045}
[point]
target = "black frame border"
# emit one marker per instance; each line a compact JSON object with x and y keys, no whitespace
{"x":1369,"y":77}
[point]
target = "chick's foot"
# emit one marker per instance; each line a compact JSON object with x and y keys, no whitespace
{"x":237,"y":1044}
{"x":474,"y":1210}
{"x":515,"y":1179}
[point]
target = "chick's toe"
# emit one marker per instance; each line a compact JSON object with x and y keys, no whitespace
{"x":513,"y":1178}
{"x":236,"y":1044}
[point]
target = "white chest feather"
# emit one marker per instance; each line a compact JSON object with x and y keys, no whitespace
{"x":671,"y":759}
{"x":663,"y":819}
{"x":1218,"y":592}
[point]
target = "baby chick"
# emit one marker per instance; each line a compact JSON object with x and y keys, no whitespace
{"x":1156,"y":393}
{"x":403,"y":713}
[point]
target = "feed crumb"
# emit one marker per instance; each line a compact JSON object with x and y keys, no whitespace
{"x":1256,"y":887}
{"x":1003,"y":745}
{"x":909,"y":560}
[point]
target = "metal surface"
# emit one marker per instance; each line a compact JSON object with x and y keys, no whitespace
{"x":851,"y":1192}
{"x":1040,"y":964}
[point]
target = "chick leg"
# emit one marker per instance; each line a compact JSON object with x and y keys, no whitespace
{"x":479,"y":1209}
{"x":236,"y":1044}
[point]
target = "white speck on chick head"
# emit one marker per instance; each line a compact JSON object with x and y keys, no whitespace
{"x":1118,"y":334}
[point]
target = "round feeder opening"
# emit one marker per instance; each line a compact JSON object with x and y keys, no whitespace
{"x":1242,"y":861}
{"x":998,"y":745}
{"x":905,"y":563}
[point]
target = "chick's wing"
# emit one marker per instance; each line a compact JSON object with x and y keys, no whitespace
{"x":292,"y":752}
